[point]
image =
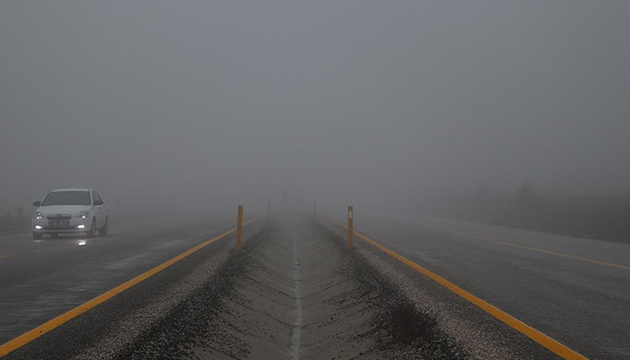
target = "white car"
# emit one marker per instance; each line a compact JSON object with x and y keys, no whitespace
{"x":67,"y":211}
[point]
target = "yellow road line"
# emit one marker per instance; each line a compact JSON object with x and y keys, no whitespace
{"x":531,"y":248}
{"x":544,"y":340}
{"x":4,"y":256}
{"x":33,"y":334}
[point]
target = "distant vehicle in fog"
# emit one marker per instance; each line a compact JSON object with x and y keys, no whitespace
{"x":69,"y":211}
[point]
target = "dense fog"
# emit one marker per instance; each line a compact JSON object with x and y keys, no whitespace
{"x":381,"y":104}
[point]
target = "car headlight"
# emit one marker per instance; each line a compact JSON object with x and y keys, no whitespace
{"x":83,"y":214}
{"x":38,"y":215}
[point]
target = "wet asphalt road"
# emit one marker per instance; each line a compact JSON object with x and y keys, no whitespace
{"x":41,"y":279}
{"x":583,"y":304}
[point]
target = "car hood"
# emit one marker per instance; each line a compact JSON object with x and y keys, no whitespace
{"x":62,"y":209}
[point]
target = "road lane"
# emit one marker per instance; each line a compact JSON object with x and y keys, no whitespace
{"x":581,"y":304}
{"x":554,"y":253}
{"x":44,"y":278}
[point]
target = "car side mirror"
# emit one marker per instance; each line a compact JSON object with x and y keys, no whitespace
{"x":37,"y":203}
{"x":98,"y":202}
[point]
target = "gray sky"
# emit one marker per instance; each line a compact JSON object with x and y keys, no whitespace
{"x":350,"y":101}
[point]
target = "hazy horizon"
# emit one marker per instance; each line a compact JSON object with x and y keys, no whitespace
{"x":349,"y":102}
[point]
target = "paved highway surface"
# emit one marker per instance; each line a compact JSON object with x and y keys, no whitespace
{"x":41,"y":279}
{"x":576,"y":291}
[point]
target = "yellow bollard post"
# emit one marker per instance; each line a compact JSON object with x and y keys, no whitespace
{"x":239,"y":228}
{"x":350,"y":226}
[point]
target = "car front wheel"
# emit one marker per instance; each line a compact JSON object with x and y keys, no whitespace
{"x":92,"y":231}
{"x":37,"y":236}
{"x":105,"y":228}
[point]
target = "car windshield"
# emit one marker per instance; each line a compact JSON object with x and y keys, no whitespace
{"x":67,"y":198}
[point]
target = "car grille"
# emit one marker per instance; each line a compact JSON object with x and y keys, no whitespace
{"x":60,"y":228}
{"x":59,"y":217}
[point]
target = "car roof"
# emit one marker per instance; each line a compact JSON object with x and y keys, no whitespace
{"x":74,"y":189}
